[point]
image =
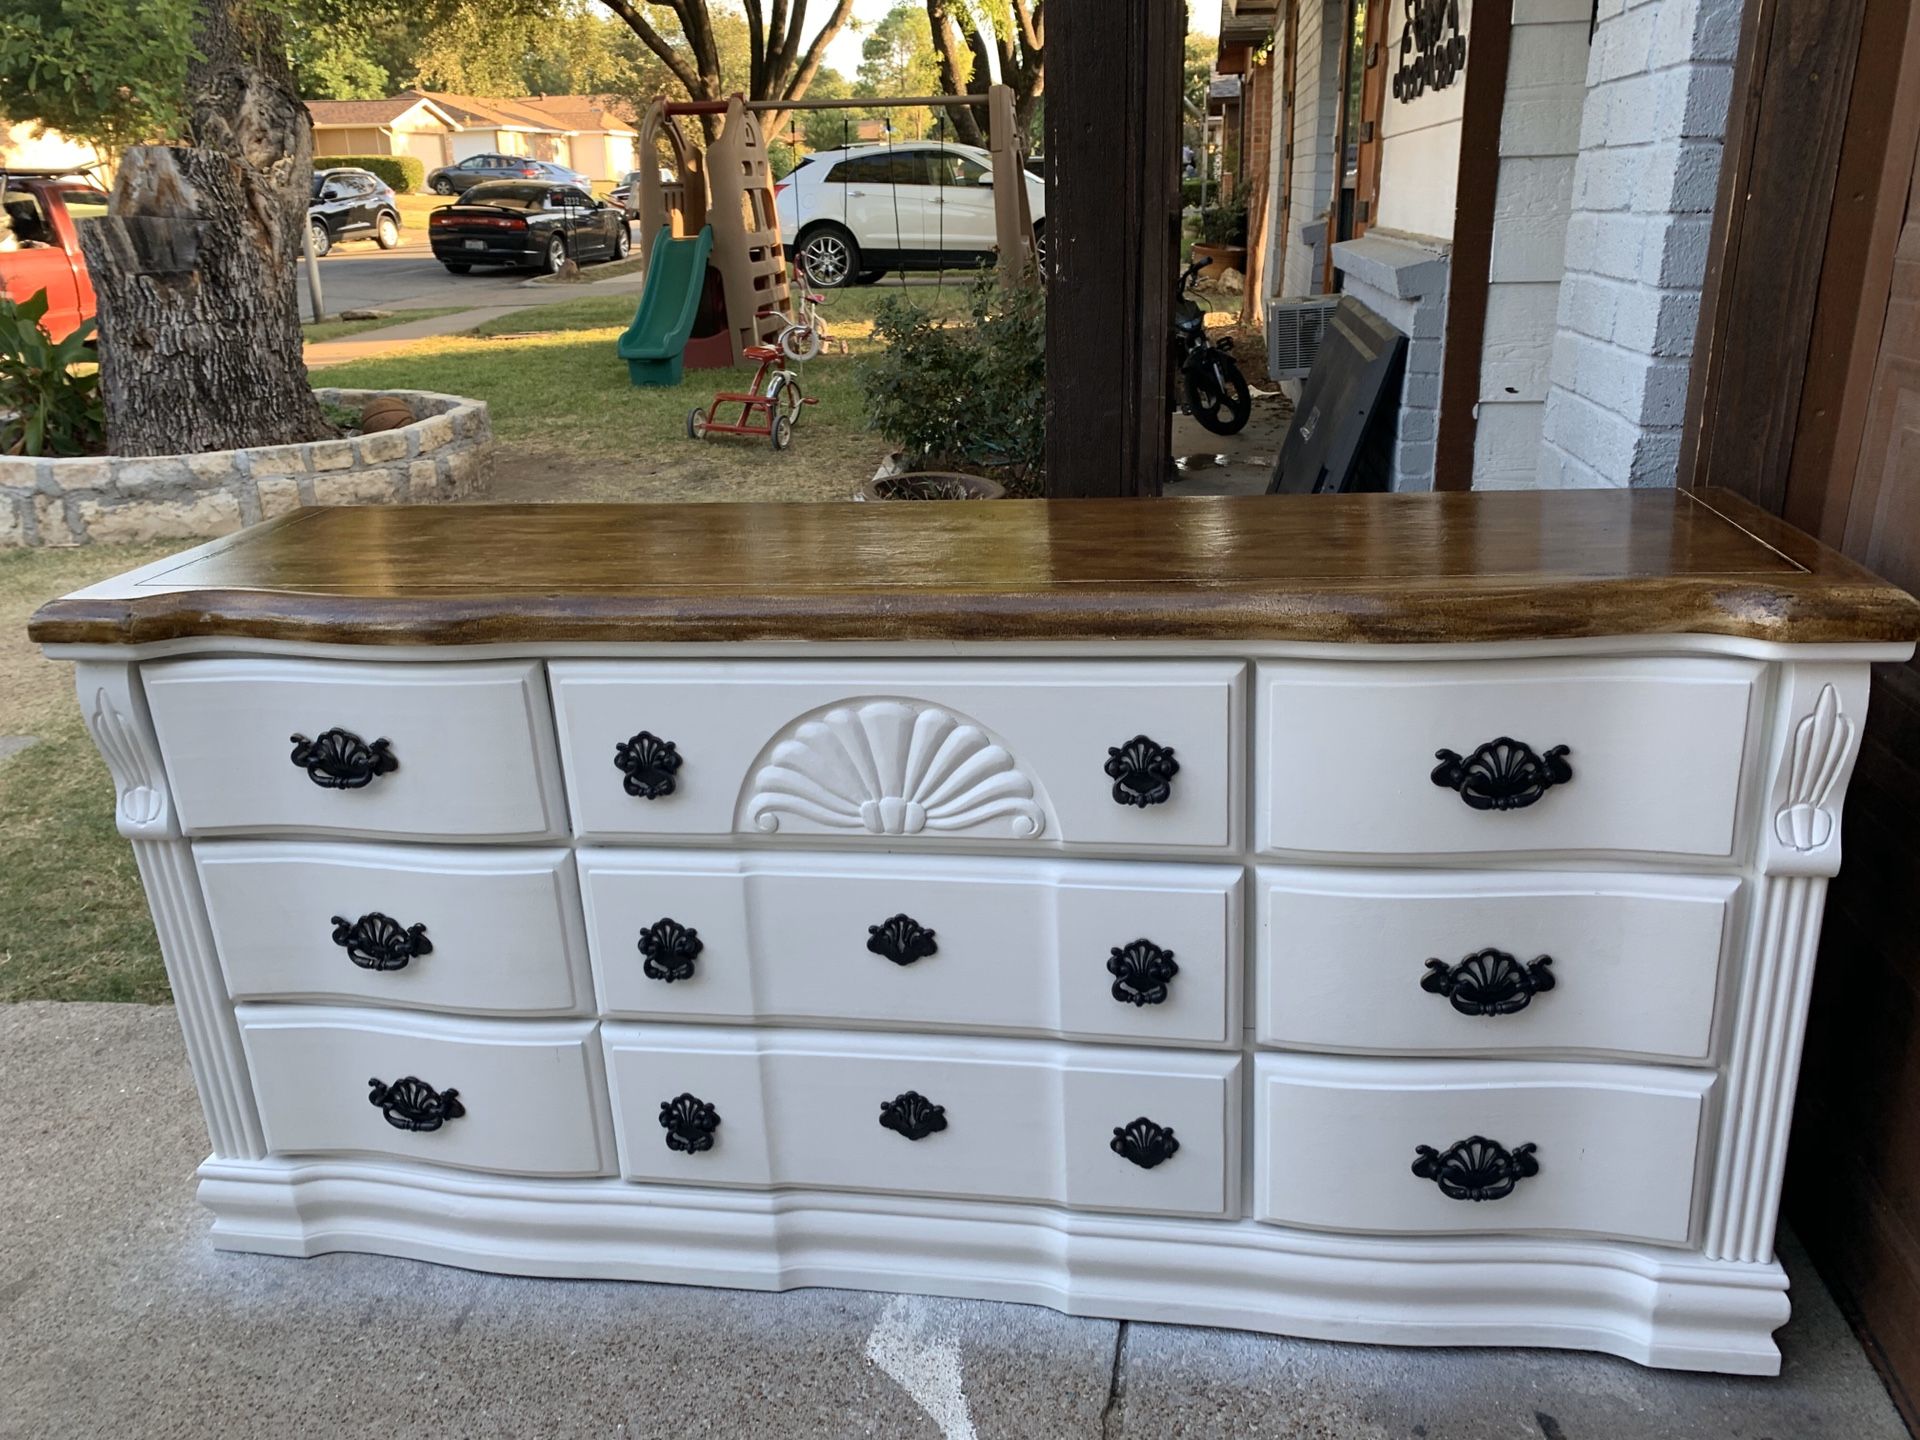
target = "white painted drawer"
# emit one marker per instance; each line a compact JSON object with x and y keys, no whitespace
{"x":1021,"y":1120}
{"x":471,"y":748}
{"x":1617,"y":1147}
{"x":1658,"y":749}
{"x":1527,"y":961}
{"x":957,"y":942}
{"x":910,"y":753}
{"x":470,"y":928}
{"x":533,"y":1092}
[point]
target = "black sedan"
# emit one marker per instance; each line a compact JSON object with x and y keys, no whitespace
{"x":348,"y":204}
{"x":520,"y":222}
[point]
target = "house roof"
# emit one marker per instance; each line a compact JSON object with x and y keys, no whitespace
{"x":581,"y":112}
{"x":474,"y":111}
{"x":374,"y":112}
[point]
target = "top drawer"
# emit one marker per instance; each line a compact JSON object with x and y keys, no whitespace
{"x":1637,"y":756}
{"x":419,"y":752}
{"x":1104,"y":754}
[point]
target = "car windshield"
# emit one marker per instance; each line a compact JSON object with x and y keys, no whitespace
{"x":508,"y":194}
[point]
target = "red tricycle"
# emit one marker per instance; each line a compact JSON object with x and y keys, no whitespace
{"x":771,"y":408}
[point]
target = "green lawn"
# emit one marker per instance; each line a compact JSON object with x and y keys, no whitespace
{"x":73,"y":922}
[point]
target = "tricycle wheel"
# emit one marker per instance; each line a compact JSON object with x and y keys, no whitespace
{"x":696,"y":424}
{"x":782,"y":433}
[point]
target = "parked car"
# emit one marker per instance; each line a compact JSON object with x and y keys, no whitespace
{"x":40,"y":243}
{"x":352,"y":204}
{"x":626,"y":192}
{"x":840,"y":207}
{"x":527,"y":222}
{"x":477,"y":169}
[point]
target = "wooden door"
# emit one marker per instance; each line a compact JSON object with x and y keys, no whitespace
{"x":1883,"y":511}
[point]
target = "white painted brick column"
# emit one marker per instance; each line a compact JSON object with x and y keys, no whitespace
{"x":1659,"y":78}
{"x":1403,"y":280}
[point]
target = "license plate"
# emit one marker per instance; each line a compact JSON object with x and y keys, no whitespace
{"x":475,"y":244}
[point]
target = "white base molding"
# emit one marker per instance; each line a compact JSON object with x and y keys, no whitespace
{"x":1658,"y":1307}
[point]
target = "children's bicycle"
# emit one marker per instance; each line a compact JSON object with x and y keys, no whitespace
{"x":771,"y":407}
{"x":803,"y":335}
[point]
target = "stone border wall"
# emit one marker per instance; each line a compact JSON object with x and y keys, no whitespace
{"x":446,"y":454}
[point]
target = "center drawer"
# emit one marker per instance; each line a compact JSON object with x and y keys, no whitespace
{"x":1089,"y":1127}
{"x":1135,"y":755}
{"x":1113,"y":950}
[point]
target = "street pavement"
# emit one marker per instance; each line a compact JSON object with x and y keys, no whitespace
{"x":360,"y":276}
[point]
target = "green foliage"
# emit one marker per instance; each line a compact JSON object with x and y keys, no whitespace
{"x":112,"y":72}
{"x":405,"y":173}
{"x":1190,"y":191}
{"x":1224,"y":224}
{"x":48,"y":406}
{"x":961,"y":396}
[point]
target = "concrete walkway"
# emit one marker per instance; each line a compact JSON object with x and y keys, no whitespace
{"x":118,"y":1322}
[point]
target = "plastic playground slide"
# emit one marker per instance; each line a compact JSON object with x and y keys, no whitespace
{"x":654,"y":344}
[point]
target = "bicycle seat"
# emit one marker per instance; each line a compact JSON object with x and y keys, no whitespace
{"x":816,"y":299}
{"x":761,"y":352}
{"x":767,"y":314}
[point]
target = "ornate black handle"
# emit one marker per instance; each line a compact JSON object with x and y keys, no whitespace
{"x":1144,"y":1143}
{"x":649,"y":765}
{"x":1140,"y":972}
{"x":1475,"y":1168}
{"x":1503,"y":774}
{"x":412,"y":1104}
{"x":1488,"y":982}
{"x":913,"y":1115}
{"x":341,"y":760}
{"x":902,"y":940}
{"x":375,"y":942}
{"x":689,"y":1122}
{"x":670,"y":948}
{"x":1142,"y":772}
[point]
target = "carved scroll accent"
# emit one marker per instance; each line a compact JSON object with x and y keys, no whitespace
{"x":1820,"y":744}
{"x":893,"y":767}
{"x":136,"y":778}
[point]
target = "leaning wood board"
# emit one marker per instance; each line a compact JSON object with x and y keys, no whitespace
{"x":1385,"y":918}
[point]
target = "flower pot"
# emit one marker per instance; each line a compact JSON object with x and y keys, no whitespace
{"x":1220,"y":259}
{"x":929,"y":485}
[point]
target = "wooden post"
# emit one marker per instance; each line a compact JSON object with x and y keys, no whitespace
{"x":1112,"y":233}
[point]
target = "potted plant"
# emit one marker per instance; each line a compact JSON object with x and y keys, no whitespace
{"x":964,"y":401}
{"x":1223,"y":239}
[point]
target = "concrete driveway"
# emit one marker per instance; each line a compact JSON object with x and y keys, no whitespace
{"x":118,"y":1320}
{"x":359,"y":276}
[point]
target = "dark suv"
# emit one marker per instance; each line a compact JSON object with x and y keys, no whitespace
{"x":349,"y":204}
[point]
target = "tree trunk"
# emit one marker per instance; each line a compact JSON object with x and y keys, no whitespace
{"x":194,"y":265}
{"x":969,"y":122}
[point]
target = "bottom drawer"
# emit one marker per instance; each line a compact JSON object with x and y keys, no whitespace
{"x":1091,"y":1128}
{"x":1418,"y":1146}
{"x":517,"y":1098}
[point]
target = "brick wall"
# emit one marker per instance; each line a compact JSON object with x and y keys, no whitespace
{"x":1659,"y":79}
{"x":1403,"y":279}
{"x":1316,"y":90}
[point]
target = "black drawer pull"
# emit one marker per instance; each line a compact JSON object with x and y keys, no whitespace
{"x":341,"y":760}
{"x":1475,"y":1168}
{"x":902,"y":940}
{"x":1142,"y":772}
{"x":648,"y":764}
{"x":1488,"y":982}
{"x":412,"y":1104}
{"x":670,"y":949}
{"x":1140,"y":972}
{"x":1503,"y":774}
{"x":1144,"y":1143}
{"x":689,"y":1122}
{"x":913,"y":1115}
{"x":377,"y":942}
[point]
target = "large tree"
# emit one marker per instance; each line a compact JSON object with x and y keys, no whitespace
{"x":962,"y":31}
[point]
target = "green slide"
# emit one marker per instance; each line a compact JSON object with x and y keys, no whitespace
{"x":676,"y":273}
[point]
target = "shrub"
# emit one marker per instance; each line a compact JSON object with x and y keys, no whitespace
{"x":964,"y":395}
{"x":1190,"y":191}
{"x":404,"y":173}
{"x":1224,"y":224}
{"x":47,"y":407}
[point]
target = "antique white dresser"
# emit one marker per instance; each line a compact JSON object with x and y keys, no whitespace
{"x":1380,"y":918}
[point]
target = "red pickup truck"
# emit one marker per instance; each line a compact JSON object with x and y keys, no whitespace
{"x":40,"y":215}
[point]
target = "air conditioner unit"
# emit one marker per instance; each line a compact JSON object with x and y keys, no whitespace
{"x":1294,"y":330}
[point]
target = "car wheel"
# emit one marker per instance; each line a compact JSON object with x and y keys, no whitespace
{"x":831,"y":256}
{"x":556,"y":254}
{"x":455,"y":267}
{"x":1040,"y":247}
{"x":622,"y":242}
{"x":322,"y":239}
{"x":442,"y":186}
{"x":388,"y":233}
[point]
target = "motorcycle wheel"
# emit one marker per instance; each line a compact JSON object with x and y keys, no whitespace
{"x":1217,"y":394}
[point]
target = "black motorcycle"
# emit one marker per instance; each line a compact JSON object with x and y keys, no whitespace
{"x":1216,"y":391}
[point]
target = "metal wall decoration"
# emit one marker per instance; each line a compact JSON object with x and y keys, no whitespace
{"x":1433,"y":51}
{"x":1142,"y":772}
{"x":1488,"y":982}
{"x":670,"y":949}
{"x":1144,"y":1143}
{"x":1475,"y":1168}
{"x":649,"y":765}
{"x":341,"y":760}
{"x":902,"y":940}
{"x":689,"y":1122}
{"x":377,"y":942}
{"x":913,"y":1115}
{"x":1503,"y":774}
{"x":412,"y":1104}
{"x":1140,"y":972}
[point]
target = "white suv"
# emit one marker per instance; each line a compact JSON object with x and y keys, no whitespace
{"x":852,"y":215}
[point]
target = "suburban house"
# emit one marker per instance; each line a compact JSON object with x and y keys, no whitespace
{"x":601,"y":141}
{"x":586,"y":132}
{"x":1523,"y":187}
{"x":404,"y":125}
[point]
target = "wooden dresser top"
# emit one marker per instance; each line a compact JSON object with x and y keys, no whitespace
{"x":1373,"y":569}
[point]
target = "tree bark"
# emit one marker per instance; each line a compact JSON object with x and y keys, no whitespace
{"x":194,"y":265}
{"x":1021,"y":54}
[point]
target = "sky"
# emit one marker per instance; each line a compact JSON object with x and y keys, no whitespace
{"x":844,"y":53}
